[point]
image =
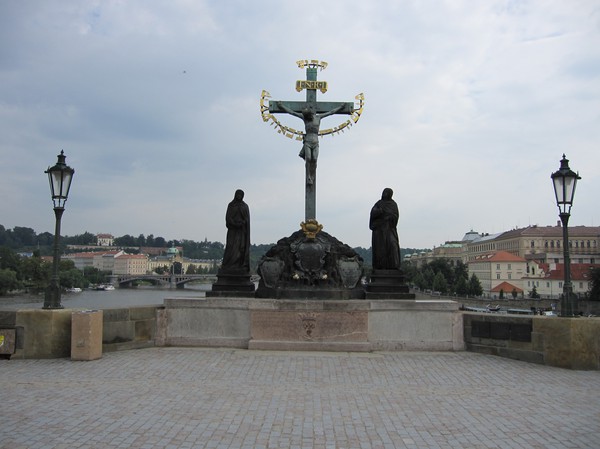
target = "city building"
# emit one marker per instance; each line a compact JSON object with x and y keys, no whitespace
{"x":101,"y":260}
{"x":105,"y":239}
{"x":131,"y":264}
{"x":538,"y":259}
{"x":548,"y":280}
{"x":499,"y":273}
{"x":537,"y":242}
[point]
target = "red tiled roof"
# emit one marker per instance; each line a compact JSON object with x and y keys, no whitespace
{"x":506,"y":288}
{"x":579,"y":272}
{"x":497,"y":256}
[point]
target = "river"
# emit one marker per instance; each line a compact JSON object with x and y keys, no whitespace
{"x":119,"y":297}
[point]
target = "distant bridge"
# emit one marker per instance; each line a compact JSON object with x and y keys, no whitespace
{"x":171,"y":280}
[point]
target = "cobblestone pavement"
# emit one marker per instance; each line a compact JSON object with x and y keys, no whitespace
{"x":225,"y":398}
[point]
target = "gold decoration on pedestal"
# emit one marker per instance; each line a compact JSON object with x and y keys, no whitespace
{"x":311,"y":228}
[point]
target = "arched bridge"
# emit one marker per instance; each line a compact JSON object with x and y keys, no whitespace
{"x":172,"y":280}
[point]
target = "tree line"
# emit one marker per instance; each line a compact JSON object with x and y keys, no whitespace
{"x":441,"y":275}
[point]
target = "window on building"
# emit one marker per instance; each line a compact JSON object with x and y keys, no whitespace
{"x":581,"y":285}
{"x":532,"y":244}
{"x":509,"y":275}
{"x":556,"y":260}
{"x":497,"y":275}
{"x":546,"y":244}
{"x":497,"y":266}
{"x":560,"y":284}
{"x":588,"y":244}
{"x":509,"y":266}
{"x":558,"y":244}
{"x":592,"y":260}
{"x":547,"y":284}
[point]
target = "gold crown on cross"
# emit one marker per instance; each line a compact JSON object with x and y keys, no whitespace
{"x":312,"y":63}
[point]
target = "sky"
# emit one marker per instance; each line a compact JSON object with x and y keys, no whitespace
{"x":469,"y":107}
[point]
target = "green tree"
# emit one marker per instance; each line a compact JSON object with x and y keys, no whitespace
{"x":72,"y":278}
{"x":419,"y":281}
{"x":439,"y":283}
{"x":93,"y":275}
{"x":462,"y":287}
{"x":514,"y":293}
{"x":501,"y":293}
{"x":475,"y":288}
{"x":9,"y":259}
{"x":35,"y":272}
{"x":8,"y":281}
{"x":428,"y":276}
{"x":126,"y":241}
{"x":24,"y":236}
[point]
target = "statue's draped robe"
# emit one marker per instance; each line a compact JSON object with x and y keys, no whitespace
{"x":237,"y":248}
{"x":385,"y":244}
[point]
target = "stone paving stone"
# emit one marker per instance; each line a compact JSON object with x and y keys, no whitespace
{"x":223,"y":398}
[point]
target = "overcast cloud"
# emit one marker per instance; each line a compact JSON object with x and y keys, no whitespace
{"x":469,"y":108}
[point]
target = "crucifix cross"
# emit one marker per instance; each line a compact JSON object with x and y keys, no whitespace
{"x":311,"y":112}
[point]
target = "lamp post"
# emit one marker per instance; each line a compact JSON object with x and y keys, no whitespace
{"x":565,"y":180}
{"x":60,"y":177}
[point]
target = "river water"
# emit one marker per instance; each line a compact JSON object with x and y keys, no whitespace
{"x":119,"y":297}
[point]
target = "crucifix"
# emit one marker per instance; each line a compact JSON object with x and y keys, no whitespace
{"x":311,"y":112}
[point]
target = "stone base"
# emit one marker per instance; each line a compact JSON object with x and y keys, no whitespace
{"x":388,"y":284}
{"x":232,"y":284}
{"x":310,"y":293}
{"x":312,"y":325}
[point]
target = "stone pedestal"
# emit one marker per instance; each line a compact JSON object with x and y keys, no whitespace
{"x":388,"y":284}
{"x":86,"y":335}
{"x":312,"y":325}
{"x":232,"y":284}
{"x":309,"y":265}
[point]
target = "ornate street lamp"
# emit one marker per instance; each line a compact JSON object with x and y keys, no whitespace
{"x":565,"y":180}
{"x":60,"y":177}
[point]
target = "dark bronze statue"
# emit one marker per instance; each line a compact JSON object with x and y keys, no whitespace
{"x":310,"y":146}
{"x":385,"y":243}
{"x":237,"y":247}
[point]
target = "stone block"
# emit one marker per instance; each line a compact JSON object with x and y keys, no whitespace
{"x":46,"y":333}
{"x":8,"y":339}
{"x":144,"y":330}
{"x":499,"y":331}
{"x":86,"y":335}
{"x":309,"y":326}
{"x":142,"y":313}
{"x":206,"y":326}
{"x":585,"y":343}
{"x":520,"y":332}
{"x":121,"y":314}
{"x":118,"y":331}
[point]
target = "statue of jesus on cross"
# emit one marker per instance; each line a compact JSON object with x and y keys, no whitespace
{"x":310,"y":147}
{"x":311,"y":112}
